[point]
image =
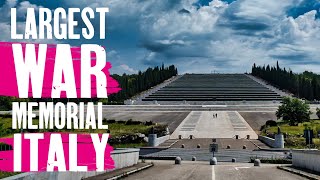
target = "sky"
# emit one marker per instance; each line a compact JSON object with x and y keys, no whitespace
{"x":198,"y":36}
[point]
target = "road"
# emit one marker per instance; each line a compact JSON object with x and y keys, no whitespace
{"x":202,"y":170}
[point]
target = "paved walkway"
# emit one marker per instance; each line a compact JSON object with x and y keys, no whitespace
{"x":204,"y":124}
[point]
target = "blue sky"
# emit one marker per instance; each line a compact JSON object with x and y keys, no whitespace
{"x":198,"y":36}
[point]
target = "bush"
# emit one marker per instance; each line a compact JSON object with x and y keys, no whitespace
{"x":131,"y":122}
{"x":111,"y":121}
{"x":318,"y":113}
{"x":5,"y":103}
{"x":148,"y":123}
{"x":115,"y":103}
{"x":121,"y":122}
{"x":271,"y":123}
{"x":7,"y":115}
{"x":104,"y":101}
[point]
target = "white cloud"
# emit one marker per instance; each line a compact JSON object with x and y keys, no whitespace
{"x":232,"y":37}
{"x":23,"y":6}
{"x":5,"y":27}
{"x":5,"y":10}
{"x":11,"y":3}
{"x":220,"y":36}
{"x":128,"y":69}
{"x":113,"y":54}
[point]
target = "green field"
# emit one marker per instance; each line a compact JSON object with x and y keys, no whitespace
{"x":130,"y":145}
{"x":295,"y":137}
{"x":296,"y":130}
{"x":119,"y":131}
{"x":116,"y":129}
{"x":7,"y":174}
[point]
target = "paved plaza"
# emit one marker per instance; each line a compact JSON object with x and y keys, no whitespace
{"x":202,"y":170}
{"x":214,"y":124}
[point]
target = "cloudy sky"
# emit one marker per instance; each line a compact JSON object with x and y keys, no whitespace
{"x":199,"y":36}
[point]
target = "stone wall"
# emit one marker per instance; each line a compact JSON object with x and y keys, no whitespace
{"x":154,"y":141}
{"x":307,"y":159}
{"x":278,"y":142}
{"x":122,"y":158}
{"x":268,"y":141}
{"x":125,"y":157}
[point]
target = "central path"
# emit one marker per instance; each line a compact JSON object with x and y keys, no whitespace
{"x":214,"y":124}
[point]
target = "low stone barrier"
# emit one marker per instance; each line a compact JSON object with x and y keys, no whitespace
{"x":268,"y":141}
{"x":125,"y":157}
{"x":274,"y":143}
{"x":306,"y":159}
{"x":154,"y":141}
{"x":122,"y":158}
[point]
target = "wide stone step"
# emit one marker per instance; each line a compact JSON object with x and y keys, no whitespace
{"x":212,"y":96}
{"x":213,"y":87}
{"x":222,"y":155}
{"x":212,"y":99}
{"x":213,"y":93}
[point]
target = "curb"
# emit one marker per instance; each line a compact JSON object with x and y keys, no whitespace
{"x":255,"y":144}
{"x":298,"y":172}
{"x":131,"y":172}
{"x":172,"y":143}
{"x":158,"y":157}
{"x":164,"y":147}
{"x":276,"y":149}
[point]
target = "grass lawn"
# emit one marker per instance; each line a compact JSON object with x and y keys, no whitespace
{"x":116,"y":129}
{"x":295,"y":130}
{"x":6,"y":127}
{"x":132,"y":145}
{"x":295,"y":137}
{"x":7,"y":174}
{"x":300,"y":143}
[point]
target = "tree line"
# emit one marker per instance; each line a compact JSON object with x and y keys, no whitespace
{"x":136,"y":83}
{"x":302,"y":85}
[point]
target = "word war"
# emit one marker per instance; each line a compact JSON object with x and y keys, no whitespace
{"x":30,"y":65}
